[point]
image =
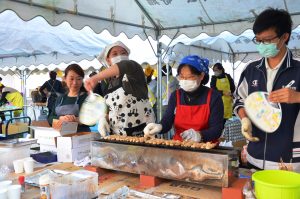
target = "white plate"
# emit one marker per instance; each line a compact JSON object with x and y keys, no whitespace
{"x":264,"y":114}
{"x":92,"y":109}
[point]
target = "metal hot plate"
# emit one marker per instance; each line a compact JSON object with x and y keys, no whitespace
{"x":208,"y":166}
{"x":216,"y":150}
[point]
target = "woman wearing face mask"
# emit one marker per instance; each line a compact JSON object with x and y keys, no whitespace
{"x":127,"y":98}
{"x":195,"y":110}
{"x":223,"y":82}
{"x":67,"y":106}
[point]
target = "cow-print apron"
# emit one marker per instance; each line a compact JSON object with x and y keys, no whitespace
{"x":126,"y":111}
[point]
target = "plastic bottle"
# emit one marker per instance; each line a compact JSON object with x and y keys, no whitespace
{"x":44,"y":181}
{"x":22,"y":183}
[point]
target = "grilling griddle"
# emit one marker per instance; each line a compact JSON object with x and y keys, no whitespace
{"x":204,"y":166}
{"x":217,"y":149}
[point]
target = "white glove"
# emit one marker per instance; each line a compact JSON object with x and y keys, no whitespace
{"x":191,"y":135}
{"x":151,"y":129}
{"x":247,"y":130}
{"x":103,"y":127}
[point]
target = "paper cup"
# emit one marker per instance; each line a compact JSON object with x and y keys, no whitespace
{"x":5,"y":184}
{"x":14,"y":192}
{"x":28,"y":166}
{"x":18,"y":166}
{"x":3,"y":193}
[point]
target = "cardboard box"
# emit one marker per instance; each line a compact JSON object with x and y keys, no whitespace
{"x":110,"y":181}
{"x":15,"y":128}
{"x":46,"y":148}
{"x":70,"y":155}
{"x":42,"y":123}
{"x":76,"y":140}
{"x":187,"y":190}
{"x":66,"y":127}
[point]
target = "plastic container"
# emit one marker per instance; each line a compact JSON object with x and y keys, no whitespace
{"x":76,"y":185}
{"x":9,"y":154}
{"x":276,"y":184}
{"x":44,"y":181}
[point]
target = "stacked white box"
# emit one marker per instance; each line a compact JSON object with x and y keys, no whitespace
{"x":47,"y":137}
{"x":75,"y":146}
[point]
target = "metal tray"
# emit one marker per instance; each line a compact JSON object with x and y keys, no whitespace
{"x":17,"y":142}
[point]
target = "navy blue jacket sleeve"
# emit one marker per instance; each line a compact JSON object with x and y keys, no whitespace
{"x":42,"y":88}
{"x":168,"y":118}
{"x":215,"y":125}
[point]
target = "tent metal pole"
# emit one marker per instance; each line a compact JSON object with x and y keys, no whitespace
{"x":150,"y":43}
{"x":159,"y":74}
{"x":208,"y":49}
{"x":23,"y":89}
{"x":168,"y":46}
{"x":233,"y":58}
{"x":241,"y":62}
{"x":233,"y":61}
{"x":159,"y":90}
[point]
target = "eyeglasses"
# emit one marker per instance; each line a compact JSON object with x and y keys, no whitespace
{"x":264,"y":41}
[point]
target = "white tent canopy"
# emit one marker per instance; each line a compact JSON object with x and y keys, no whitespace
{"x":226,"y":46}
{"x":155,"y":17}
{"x":36,"y":42}
{"x":152,"y":17}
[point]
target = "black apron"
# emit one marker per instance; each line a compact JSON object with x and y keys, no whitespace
{"x":71,"y":109}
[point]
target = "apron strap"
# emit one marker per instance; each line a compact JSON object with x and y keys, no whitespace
{"x":177,"y":97}
{"x":209,"y":96}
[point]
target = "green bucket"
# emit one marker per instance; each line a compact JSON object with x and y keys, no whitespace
{"x":276,"y":184}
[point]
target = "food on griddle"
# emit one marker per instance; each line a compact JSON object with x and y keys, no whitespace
{"x":161,"y":142}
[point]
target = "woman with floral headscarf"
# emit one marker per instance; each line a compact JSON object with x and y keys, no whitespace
{"x":195,"y":110}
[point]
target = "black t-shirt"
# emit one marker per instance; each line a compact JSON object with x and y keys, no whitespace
{"x":131,"y":78}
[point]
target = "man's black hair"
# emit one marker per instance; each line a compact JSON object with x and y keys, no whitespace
{"x":52,"y":75}
{"x":278,"y":19}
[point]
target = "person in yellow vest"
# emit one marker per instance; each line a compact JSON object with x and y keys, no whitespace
{"x":223,"y":82}
{"x":151,"y":84}
{"x":13,"y":96}
{"x":148,"y":73}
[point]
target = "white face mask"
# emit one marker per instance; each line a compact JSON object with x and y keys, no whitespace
{"x":118,"y":59}
{"x":189,"y":85}
{"x":217,"y":73}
